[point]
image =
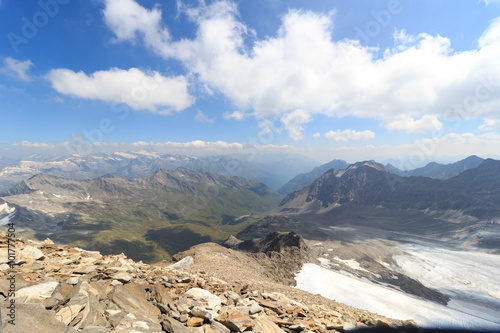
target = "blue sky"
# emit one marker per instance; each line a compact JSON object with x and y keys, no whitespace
{"x":327,"y":79}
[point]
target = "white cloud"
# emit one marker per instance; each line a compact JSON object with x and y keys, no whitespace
{"x":266,"y":126}
{"x":316,"y":136}
{"x":491,"y":36}
{"x":451,"y":147}
{"x":349,"y":135}
{"x":203,"y":118}
{"x":196,"y":147}
{"x":199,"y":144}
{"x":17,"y":68}
{"x":454,"y":144}
{"x":237,"y":115}
{"x":410,"y":125}
{"x":490,"y":125}
{"x":135,"y":88}
{"x":129,"y":21}
{"x":302,"y":68}
{"x":293,"y":122}
{"x":42,"y":145}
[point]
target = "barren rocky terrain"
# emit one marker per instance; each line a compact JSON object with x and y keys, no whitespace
{"x":211,"y":289}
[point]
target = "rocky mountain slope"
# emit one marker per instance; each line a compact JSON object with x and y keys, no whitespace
{"x":474,"y":192}
{"x":61,"y":289}
{"x":147,"y":218}
{"x":282,"y":253}
{"x":431,"y":170}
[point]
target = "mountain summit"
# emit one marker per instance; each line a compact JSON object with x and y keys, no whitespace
{"x":474,"y":192}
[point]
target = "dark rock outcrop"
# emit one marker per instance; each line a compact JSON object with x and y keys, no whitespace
{"x":282,"y":253}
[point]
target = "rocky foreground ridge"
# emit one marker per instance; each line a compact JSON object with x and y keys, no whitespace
{"x":211,"y":289}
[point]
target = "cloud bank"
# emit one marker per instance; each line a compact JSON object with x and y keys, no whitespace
{"x":349,"y":135}
{"x":410,"y":125}
{"x":302,"y":71}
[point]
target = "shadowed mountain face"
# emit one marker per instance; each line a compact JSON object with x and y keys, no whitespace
{"x":431,"y":170}
{"x":146,"y":218}
{"x":475,"y":192}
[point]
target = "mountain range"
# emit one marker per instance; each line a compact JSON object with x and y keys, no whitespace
{"x":431,"y":170}
{"x":474,"y":192}
{"x":375,"y":225}
{"x":264,"y":168}
{"x":439,"y":170}
{"x":169,"y":210}
{"x":148,"y":218}
{"x":357,"y":219}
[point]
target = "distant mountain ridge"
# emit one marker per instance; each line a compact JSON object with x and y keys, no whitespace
{"x":431,"y":170}
{"x":475,"y":192}
{"x":438,"y":170}
{"x":306,"y":178}
{"x":266,"y":169}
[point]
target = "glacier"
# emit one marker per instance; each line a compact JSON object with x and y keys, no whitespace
{"x":470,"y":278}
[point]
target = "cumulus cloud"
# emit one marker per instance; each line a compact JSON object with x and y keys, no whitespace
{"x":195,"y":147}
{"x":454,"y":144}
{"x":203,"y":118}
{"x":492,"y":34}
{"x":200,"y":144}
{"x":349,"y":135}
{"x":316,"y":136}
{"x":490,"y":125}
{"x":237,"y":115}
{"x":293,"y":122}
{"x":450,"y":147}
{"x":17,"y":68}
{"x":41,"y":145}
{"x":410,"y":125}
{"x":138,"y":89}
{"x":130,"y":21}
{"x":302,"y":68}
{"x":265,"y":126}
